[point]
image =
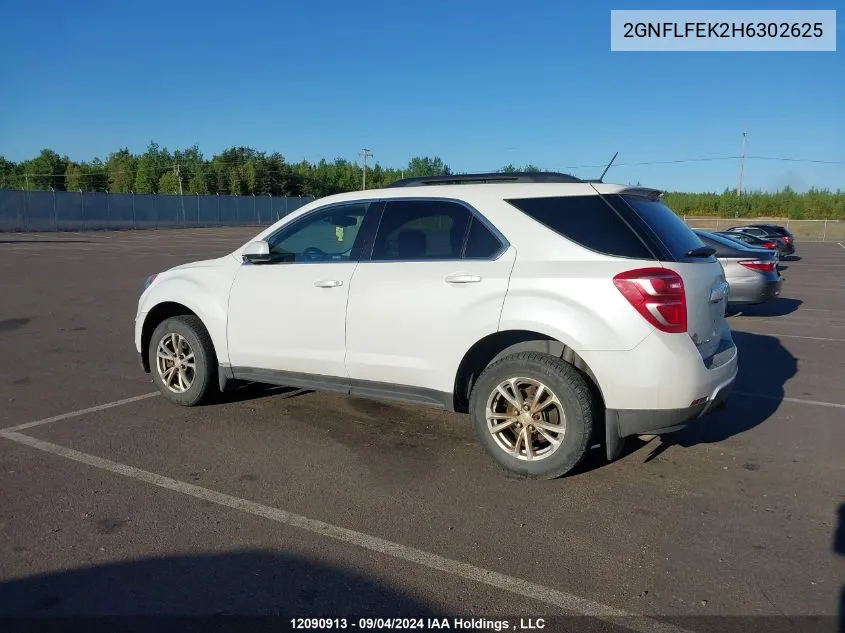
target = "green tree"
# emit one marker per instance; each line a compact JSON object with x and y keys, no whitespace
{"x":120,"y":167}
{"x":8,"y":177}
{"x":425,"y":166}
{"x":45,"y":171}
{"x":74,"y":177}
{"x":168,"y":183}
{"x":510,"y":168}
{"x":150,"y":167}
{"x":193,"y":170}
{"x":86,"y":176}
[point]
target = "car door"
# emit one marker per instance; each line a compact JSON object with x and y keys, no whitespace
{"x":288,"y":314}
{"x":433,"y":286}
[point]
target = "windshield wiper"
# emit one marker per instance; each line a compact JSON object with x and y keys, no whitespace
{"x":700,"y":251}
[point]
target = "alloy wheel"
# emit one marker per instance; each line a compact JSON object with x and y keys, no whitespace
{"x":175,"y":362}
{"x":526,"y":419}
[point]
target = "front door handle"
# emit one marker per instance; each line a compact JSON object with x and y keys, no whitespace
{"x":327,"y":283}
{"x":460,"y":278}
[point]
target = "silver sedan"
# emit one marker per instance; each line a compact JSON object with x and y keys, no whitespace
{"x":751,"y":273}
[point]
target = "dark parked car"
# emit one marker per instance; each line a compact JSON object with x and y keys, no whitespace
{"x":768,"y":243}
{"x":786,"y":241}
{"x":751,"y":273}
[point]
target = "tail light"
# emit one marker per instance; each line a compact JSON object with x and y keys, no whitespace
{"x":787,"y":239}
{"x":756,"y":264}
{"x":768,"y":244}
{"x":658,"y":295}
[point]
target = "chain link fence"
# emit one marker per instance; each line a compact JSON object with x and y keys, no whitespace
{"x":803,"y":230}
{"x":22,"y":211}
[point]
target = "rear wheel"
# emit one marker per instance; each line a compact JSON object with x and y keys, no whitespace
{"x":532,"y":413}
{"x":182,"y":360}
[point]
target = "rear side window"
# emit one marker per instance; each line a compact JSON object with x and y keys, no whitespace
{"x":671,"y":230}
{"x":588,"y":221}
{"x":421,"y":229}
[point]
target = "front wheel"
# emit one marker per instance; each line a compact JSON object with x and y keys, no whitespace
{"x":532,"y":413}
{"x":182,"y":360}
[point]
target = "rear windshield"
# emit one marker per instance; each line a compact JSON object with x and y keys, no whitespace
{"x":678,"y":238}
{"x":721,"y":239}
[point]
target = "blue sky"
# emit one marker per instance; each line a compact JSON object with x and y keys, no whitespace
{"x":480,"y":84}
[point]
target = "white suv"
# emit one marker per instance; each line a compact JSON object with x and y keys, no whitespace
{"x":556,"y":312}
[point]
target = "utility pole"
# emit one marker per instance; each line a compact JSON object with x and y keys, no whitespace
{"x":741,"y":162}
{"x":177,"y":167}
{"x":365,"y":153}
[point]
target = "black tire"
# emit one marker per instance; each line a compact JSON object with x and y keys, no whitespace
{"x":205,"y":372}
{"x":571,"y":389}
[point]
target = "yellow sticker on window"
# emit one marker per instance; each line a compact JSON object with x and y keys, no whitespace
{"x":338,"y":230}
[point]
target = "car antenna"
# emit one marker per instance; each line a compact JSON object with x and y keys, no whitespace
{"x":601,"y":178}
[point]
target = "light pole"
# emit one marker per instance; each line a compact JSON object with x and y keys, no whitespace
{"x":365,"y":154}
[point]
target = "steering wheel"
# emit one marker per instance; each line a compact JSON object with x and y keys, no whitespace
{"x":314,"y":254}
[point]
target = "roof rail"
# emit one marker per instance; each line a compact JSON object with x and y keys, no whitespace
{"x":493,"y":177}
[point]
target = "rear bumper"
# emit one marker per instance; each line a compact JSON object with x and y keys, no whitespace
{"x":628,"y":422}
{"x":663,"y":372}
{"x":750,"y":291}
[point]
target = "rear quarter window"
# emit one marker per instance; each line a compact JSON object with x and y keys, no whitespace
{"x":588,"y":221}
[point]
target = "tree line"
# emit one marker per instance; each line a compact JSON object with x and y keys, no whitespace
{"x":245,"y":171}
{"x":235,"y":171}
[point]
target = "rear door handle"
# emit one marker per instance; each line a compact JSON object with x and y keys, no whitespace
{"x":327,"y":283}
{"x":462,"y":279}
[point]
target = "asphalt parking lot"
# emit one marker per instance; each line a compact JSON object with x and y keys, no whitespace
{"x":303,"y":504}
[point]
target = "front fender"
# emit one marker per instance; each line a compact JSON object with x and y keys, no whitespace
{"x":202,"y":294}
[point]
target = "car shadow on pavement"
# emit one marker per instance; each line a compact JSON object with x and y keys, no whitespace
{"x":764,"y":368}
{"x":255,"y":391}
{"x":839,"y":548}
{"x":240,"y":583}
{"x":772,"y":308}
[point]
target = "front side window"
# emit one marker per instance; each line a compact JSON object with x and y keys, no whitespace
{"x":325,"y":236}
{"x":421,"y":230}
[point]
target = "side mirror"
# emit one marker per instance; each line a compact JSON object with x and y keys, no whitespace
{"x":256,"y":252}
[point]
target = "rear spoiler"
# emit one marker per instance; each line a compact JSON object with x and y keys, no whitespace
{"x":638,"y":192}
{"x":642,"y":192}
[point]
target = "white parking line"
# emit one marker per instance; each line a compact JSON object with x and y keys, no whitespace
{"x":786,"y":399}
{"x":809,"y":338}
{"x":73,"y":414}
{"x":552,"y":597}
{"x":841,"y":244}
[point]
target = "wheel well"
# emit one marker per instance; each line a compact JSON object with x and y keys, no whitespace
{"x":158,"y":314}
{"x":495,"y":346}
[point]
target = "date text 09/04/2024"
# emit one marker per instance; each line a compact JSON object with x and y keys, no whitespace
{"x":417,"y":624}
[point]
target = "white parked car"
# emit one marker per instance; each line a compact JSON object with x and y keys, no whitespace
{"x":555,"y":312}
